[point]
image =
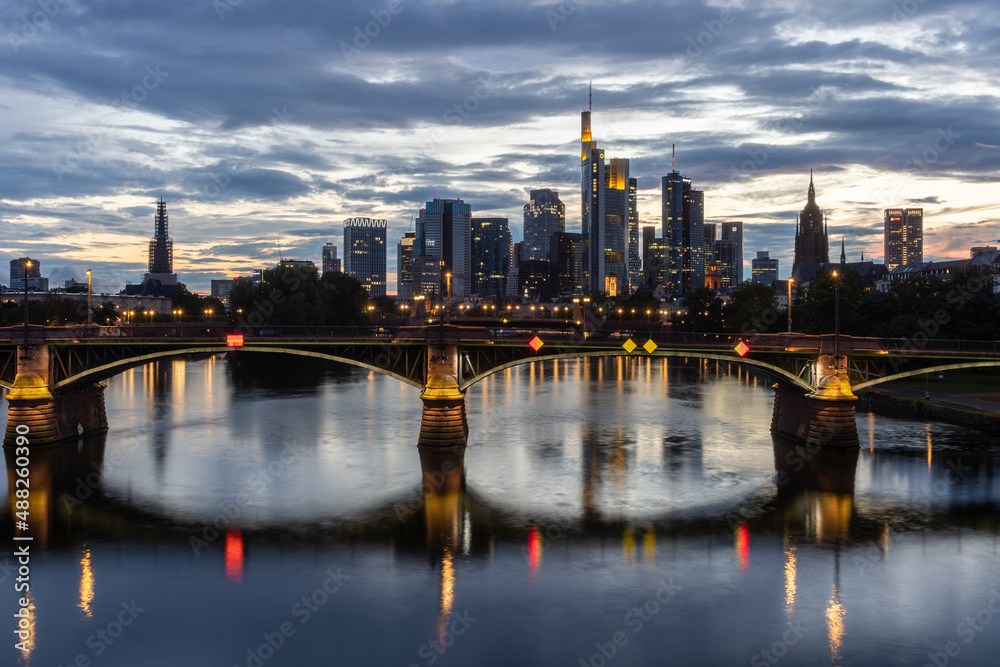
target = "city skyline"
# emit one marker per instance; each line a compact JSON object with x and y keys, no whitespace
{"x":274,"y":131}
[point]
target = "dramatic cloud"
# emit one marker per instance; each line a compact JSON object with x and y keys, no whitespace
{"x":265,"y":124}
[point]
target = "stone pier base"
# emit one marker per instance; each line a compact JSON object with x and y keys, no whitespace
{"x":443,"y":423}
{"x":53,"y":417}
{"x":825,"y":418}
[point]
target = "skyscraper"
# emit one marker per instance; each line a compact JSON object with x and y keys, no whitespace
{"x":648,"y":273}
{"x":364,"y":253}
{"x":491,"y":244}
{"x":812,"y":246}
{"x":444,"y":232}
{"x":330,"y":261}
{"x":724,"y":259}
{"x":765,"y":268}
{"x":904,"y":236}
{"x":732,"y":264}
{"x":35,"y":281}
{"x":544,"y":215}
{"x":161,"y":249}
{"x":565,"y":264}
{"x":617,"y":213}
{"x":592,"y":231}
{"x":609,"y":225}
{"x":683,"y":219}
{"x":634,"y":252}
{"x":710,"y":234}
{"x":404,"y":265}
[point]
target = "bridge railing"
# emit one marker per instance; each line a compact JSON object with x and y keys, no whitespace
{"x":205,"y":331}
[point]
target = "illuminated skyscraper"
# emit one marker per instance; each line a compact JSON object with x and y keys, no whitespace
{"x":683,"y":219}
{"x":634,"y":253}
{"x":765,"y":268}
{"x":364,"y":253}
{"x":565,"y":264}
{"x":544,"y":215}
{"x":444,"y":232}
{"x":710,"y":234}
{"x":330,"y":261}
{"x":904,"y":236}
{"x":491,"y":243}
{"x":617,"y":213}
{"x":592,"y":185}
{"x":35,"y":281}
{"x":404,"y":265}
{"x":730,"y":254}
{"x":610,"y":219}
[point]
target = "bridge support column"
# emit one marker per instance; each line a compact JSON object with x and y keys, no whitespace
{"x":50,"y":416}
{"x":824,"y":418}
{"x":443,"y":423}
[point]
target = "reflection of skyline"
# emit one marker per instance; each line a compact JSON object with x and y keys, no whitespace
{"x":453,"y":527}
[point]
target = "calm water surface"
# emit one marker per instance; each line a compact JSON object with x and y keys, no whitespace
{"x":615,"y":512}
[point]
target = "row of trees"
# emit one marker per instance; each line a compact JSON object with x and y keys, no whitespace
{"x":58,"y":310}
{"x":962,"y":306}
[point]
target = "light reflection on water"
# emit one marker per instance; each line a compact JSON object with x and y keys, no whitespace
{"x":535,"y":531}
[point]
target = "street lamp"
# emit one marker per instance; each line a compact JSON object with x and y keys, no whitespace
{"x":27,"y":265}
{"x":790,"y":281}
{"x":90,"y":311}
{"x":447,"y":313}
{"x":836,"y":322}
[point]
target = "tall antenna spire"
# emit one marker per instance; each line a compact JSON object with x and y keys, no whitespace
{"x":673,"y":157}
{"x":590,"y":96}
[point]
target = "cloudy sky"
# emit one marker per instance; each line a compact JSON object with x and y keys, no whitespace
{"x":265,"y":124}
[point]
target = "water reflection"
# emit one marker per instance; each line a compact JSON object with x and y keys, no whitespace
{"x":815,"y":489}
{"x":63,"y":477}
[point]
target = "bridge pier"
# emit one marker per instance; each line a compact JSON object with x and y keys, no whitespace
{"x":443,"y":422}
{"x":50,"y":416}
{"x":824,"y":418}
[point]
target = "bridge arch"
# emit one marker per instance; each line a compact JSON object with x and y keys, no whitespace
{"x":929,"y":369}
{"x":779,"y":374}
{"x":110,"y":370}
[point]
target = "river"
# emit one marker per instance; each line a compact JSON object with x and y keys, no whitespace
{"x":605,"y":512}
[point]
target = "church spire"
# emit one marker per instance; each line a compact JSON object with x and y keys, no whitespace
{"x":812,"y":189}
{"x":843,"y":253}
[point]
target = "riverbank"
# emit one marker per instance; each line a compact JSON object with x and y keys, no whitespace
{"x":979,"y":411}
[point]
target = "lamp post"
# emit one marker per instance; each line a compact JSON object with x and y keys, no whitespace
{"x":447,"y":313}
{"x":90,"y":284}
{"x":836,"y":322}
{"x":27,"y":265}
{"x":790,"y":281}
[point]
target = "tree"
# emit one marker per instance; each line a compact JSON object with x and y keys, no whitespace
{"x":816,"y":314}
{"x":105,"y":314}
{"x":704,"y":311}
{"x":344,"y":300}
{"x":752,"y":307}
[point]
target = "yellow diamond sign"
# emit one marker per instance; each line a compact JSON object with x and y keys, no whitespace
{"x":650,"y":346}
{"x":629,"y":346}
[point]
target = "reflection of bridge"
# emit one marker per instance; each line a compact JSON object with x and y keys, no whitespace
{"x":55,"y":391}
